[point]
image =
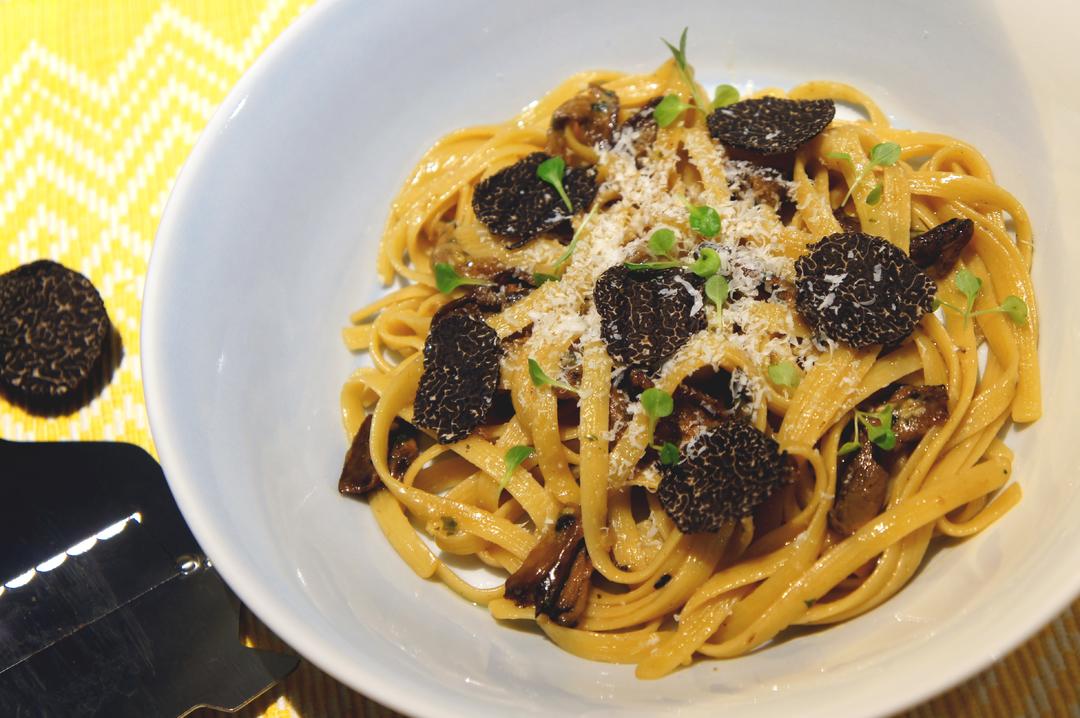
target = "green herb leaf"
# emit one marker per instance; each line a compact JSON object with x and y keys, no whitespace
{"x":638,"y":266}
{"x":447,"y":279}
{"x":716,"y":289}
{"x":969,"y":285}
{"x":935,"y":305}
{"x":540,"y":278}
{"x":657,"y":403}
{"x":540,"y":378}
{"x":680,"y":51}
{"x":1016,"y":309}
{"x":669,"y":109}
{"x":551,"y":171}
{"x":840,"y":156}
{"x":574,"y":240}
{"x":885,"y":154}
{"x":784,"y":374}
{"x":515,"y":455}
{"x":875,"y":194}
{"x":669,"y":454}
{"x":707,"y":263}
{"x":704,"y":220}
{"x":879,"y":427}
{"x":449,"y":525}
{"x":684,"y":71}
{"x":848,"y":447}
{"x":661,"y":242}
{"x":724,"y":95}
{"x":809,"y":602}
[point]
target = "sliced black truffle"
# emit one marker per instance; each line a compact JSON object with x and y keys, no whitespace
{"x":861,"y":290}
{"x":770,"y":125}
{"x":53,"y":331}
{"x":591,"y":115}
{"x":517,"y":205}
{"x":937,"y":249}
{"x":725,"y":473}
{"x":646,"y":315}
{"x":460,"y":378}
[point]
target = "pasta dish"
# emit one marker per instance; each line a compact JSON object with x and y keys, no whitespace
{"x":689,"y":369}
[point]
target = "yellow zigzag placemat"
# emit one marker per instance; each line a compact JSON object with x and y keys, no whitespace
{"x":100,"y":103}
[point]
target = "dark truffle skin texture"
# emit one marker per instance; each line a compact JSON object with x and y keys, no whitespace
{"x":53,"y":329}
{"x":862,"y":312}
{"x":937,"y":249}
{"x":461,"y":376}
{"x":725,"y":473}
{"x":517,"y":205}
{"x":770,"y":125}
{"x":642,"y":322}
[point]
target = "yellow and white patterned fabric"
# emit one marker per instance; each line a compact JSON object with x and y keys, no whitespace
{"x":100,"y":103}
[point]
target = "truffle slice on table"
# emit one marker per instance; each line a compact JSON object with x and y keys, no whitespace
{"x":54,"y":331}
{"x":770,"y":125}
{"x":861,"y":290}
{"x":725,"y":473}
{"x":646,"y":315}
{"x":515,"y":204}
{"x":460,"y":378}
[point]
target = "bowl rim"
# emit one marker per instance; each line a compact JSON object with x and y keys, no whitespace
{"x":278,"y":614}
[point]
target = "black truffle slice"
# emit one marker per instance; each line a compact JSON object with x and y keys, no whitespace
{"x":646,"y":315}
{"x":770,"y":125}
{"x":53,"y":331}
{"x":461,"y":376}
{"x":937,"y":249}
{"x":861,"y":290}
{"x":517,"y":205}
{"x":725,"y":473}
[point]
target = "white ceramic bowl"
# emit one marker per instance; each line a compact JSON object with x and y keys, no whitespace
{"x":269,"y":239}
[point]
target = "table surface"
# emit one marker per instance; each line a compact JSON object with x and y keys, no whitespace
{"x":100,"y":104}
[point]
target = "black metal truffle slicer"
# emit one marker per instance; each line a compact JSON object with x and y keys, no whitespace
{"x":107,"y":605}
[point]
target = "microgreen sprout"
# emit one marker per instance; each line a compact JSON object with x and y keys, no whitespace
{"x":669,"y":454}
{"x":447,"y":279}
{"x":704,"y":220}
{"x":685,"y":71}
{"x":661,"y":245}
{"x":875,"y":194}
{"x":551,"y":171}
{"x":574,"y":240}
{"x":669,"y":109}
{"x":540,"y":378}
{"x":724,"y":95}
{"x":784,"y":374}
{"x":716,"y":289}
{"x":970,"y":286}
{"x":878,"y":426}
{"x":515,"y":456}
{"x":540,"y":277}
{"x":883,"y":154}
{"x":657,"y":404}
{"x":707,"y":264}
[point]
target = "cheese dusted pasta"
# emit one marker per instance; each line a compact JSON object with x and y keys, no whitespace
{"x":720,"y":388}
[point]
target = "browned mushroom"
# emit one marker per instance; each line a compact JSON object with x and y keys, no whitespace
{"x":860,"y":492}
{"x":555,"y":575}
{"x":591,"y":116}
{"x":358,"y":475}
{"x":937,"y":249}
{"x":917,"y":409}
